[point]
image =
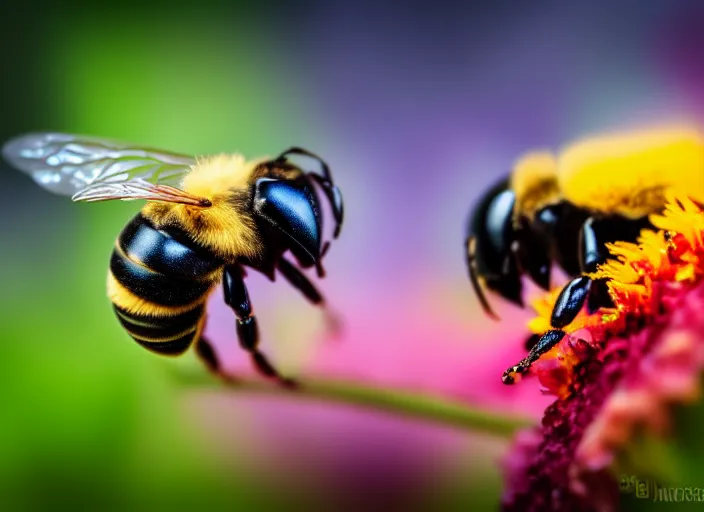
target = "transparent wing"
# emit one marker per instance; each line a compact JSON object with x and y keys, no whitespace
{"x":97,"y":169}
{"x":138,"y":189}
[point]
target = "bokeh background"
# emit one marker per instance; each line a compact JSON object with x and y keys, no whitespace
{"x":418,"y":107}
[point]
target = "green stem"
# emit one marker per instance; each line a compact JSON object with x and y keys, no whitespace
{"x":406,"y":403}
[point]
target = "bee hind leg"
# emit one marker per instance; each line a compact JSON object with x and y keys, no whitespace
{"x":237,"y":297}
{"x":299,"y":281}
{"x":207,"y":354}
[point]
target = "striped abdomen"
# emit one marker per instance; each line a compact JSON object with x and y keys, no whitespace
{"x":158,"y":283}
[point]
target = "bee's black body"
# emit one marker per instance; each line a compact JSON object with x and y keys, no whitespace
{"x":506,"y":245}
{"x":166,"y":268}
{"x":503,"y":245}
{"x":204,"y":221}
{"x":167,"y":276}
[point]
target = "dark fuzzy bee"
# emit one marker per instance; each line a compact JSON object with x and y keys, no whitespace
{"x":564,"y":210}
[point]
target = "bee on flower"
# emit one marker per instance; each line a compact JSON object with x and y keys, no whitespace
{"x":616,"y":370}
{"x":568,"y":209}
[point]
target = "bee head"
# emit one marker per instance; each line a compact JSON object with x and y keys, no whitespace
{"x":491,"y":260}
{"x":292,"y":207}
{"x":500,"y":250}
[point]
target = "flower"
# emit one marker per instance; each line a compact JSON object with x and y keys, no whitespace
{"x":619,"y":371}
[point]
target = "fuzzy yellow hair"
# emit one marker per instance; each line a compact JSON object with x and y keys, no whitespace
{"x":630,"y":173}
{"x":222,"y":228}
{"x":534,"y":182}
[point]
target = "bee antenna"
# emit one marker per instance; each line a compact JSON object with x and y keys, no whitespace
{"x":332,"y":192}
{"x":327,"y":175}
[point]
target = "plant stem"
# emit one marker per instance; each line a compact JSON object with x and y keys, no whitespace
{"x":444,"y":411}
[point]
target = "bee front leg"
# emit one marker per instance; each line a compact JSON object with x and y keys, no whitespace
{"x":569,"y":303}
{"x":593,"y":237}
{"x":299,"y":281}
{"x":579,"y":291}
{"x":544,"y":344}
{"x":237,"y":297}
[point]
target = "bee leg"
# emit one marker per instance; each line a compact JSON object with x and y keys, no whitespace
{"x":594,"y":235}
{"x":299,"y":281}
{"x":237,"y":297}
{"x":570,"y":301}
{"x":544,"y":344}
{"x":207,"y":354}
{"x":599,"y":296}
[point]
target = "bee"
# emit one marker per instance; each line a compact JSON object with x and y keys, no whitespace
{"x":205,"y":222}
{"x":563,"y":209}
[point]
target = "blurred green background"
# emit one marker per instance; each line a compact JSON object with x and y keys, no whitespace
{"x":418,"y":109}
{"x":88,"y":422}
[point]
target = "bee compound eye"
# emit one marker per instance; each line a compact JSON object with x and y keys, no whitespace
{"x":291,"y":208}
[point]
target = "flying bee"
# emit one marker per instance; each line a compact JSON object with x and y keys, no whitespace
{"x":205,"y":221}
{"x":565,"y":208}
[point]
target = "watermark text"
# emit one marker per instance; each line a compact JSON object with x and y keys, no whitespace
{"x":650,"y":490}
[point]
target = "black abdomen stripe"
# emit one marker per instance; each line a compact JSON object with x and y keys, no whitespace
{"x":170,"y":348}
{"x":170,"y":335}
{"x":163,"y":267}
{"x":151,"y":326}
{"x":154,"y":287}
{"x":166,"y":251}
